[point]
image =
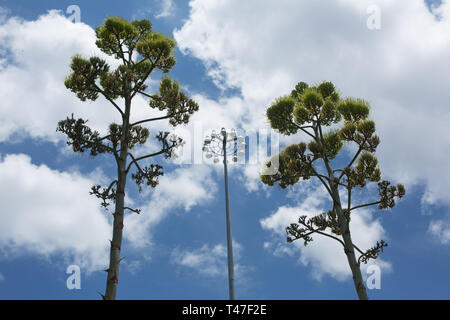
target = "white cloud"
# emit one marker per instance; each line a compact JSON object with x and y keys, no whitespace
{"x":47,"y":213}
{"x":133,"y":266}
{"x":208,"y":261}
{"x":212,"y":261}
{"x":263,"y":48}
{"x":167,"y":9}
{"x":182,"y":188}
{"x":324,"y":255}
{"x":4,"y":12}
{"x":441,"y":230}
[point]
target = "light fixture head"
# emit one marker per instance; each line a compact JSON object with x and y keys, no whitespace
{"x":241,"y":139}
{"x":235,"y":158}
{"x":223,"y":131}
{"x":209,"y":155}
{"x":216,"y":159}
{"x":205,"y":148}
{"x":207,"y":140}
{"x":241,"y":153}
{"x":233,"y":133}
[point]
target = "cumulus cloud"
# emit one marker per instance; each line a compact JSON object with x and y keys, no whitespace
{"x":324,"y":255}
{"x":47,"y":212}
{"x":167,"y":8}
{"x":206,"y":260}
{"x":211,"y":261}
{"x":4,"y":12}
{"x":441,"y":230}
{"x":264,"y":48}
{"x":134,"y":266}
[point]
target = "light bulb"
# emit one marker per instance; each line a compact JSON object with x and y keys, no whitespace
{"x":209,"y":155}
{"x":216,"y":159}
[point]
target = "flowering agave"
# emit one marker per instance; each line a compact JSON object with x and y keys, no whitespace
{"x":140,"y":51}
{"x":309,"y":110}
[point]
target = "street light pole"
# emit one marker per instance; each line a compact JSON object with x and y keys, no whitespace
{"x":229,"y":238}
{"x":220,"y":145}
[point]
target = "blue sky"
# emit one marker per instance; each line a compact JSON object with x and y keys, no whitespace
{"x":234,"y":59}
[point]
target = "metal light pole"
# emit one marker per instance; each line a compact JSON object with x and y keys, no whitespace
{"x":221,"y":145}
